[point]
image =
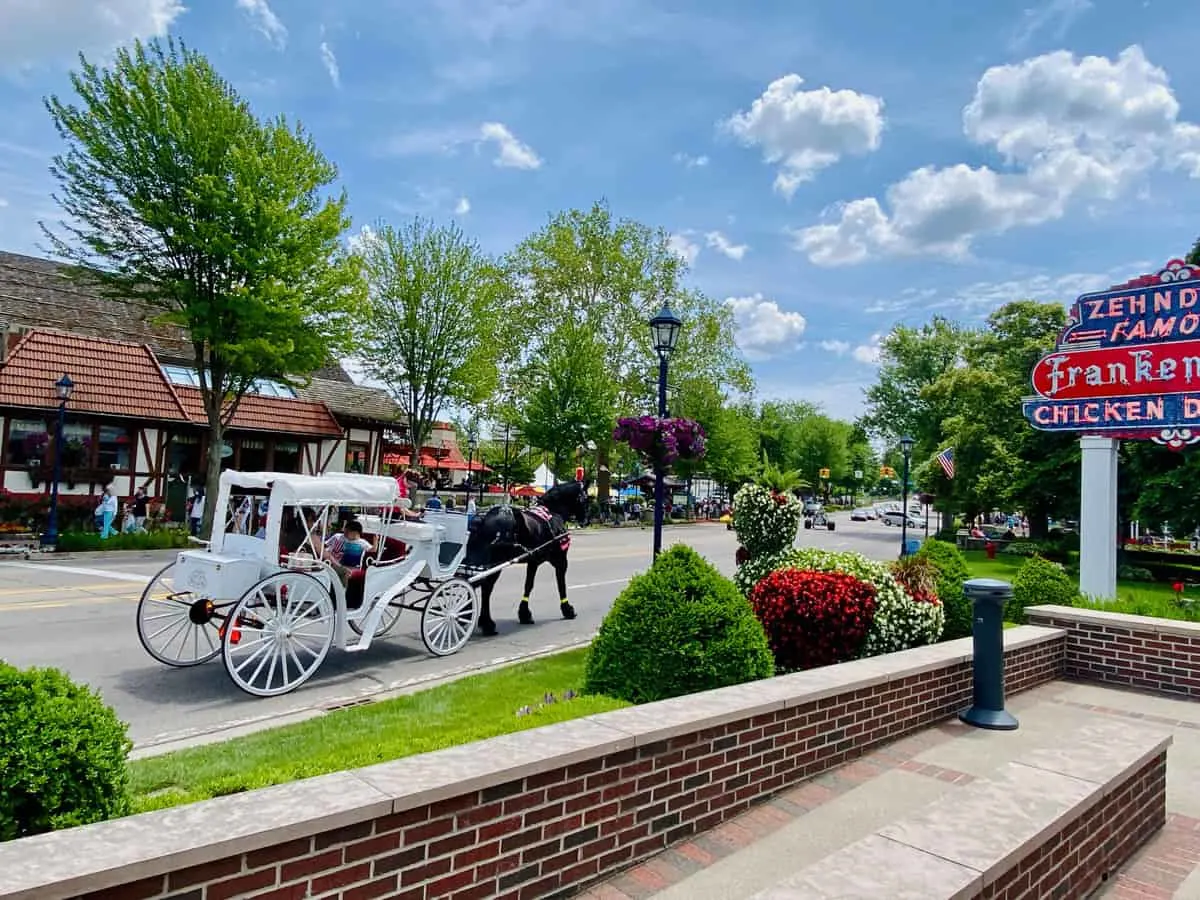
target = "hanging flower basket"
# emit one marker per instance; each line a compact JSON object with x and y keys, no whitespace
{"x":661,"y":441}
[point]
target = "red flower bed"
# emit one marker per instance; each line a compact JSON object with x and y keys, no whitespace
{"x":813,"y":618}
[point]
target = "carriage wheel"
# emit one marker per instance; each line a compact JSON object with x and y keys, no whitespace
{"x":449,"y":617}
{"x":178,"y":626}
{"x":279,"y":634}
{"x":390,"y":617}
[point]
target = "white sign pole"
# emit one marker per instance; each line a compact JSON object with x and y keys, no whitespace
{"x":1098,"y":517}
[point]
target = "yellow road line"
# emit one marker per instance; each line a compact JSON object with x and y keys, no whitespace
{"x":104,"y":588}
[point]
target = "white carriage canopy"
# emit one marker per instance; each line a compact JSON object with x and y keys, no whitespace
{"x":314,"y":490}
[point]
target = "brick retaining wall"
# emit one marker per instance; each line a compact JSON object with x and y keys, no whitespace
{"x":1161,"y":655}
{"x":533,"y":814}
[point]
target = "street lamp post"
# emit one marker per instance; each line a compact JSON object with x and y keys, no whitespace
{"x":63,"y":388}
{"x":906,"y":445}
{"x":472,"y":446}
{"x":664,"y":330}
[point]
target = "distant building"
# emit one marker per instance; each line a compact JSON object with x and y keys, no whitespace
{"x":136,"y":416}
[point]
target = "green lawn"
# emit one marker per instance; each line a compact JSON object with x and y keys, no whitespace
{"x":1136,"y":598}
{"x":474,"y":708}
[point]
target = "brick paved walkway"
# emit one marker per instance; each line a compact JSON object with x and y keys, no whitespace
{"x":1168,"y":867}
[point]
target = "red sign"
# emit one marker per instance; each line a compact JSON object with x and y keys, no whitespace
{"x":1168,"y":368}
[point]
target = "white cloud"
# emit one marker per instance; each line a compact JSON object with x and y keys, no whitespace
{"x":683,"y":247}
{"x":1055,"y":16}
{"x":838,"y":348}
{"x":513,"y":154}
{"x":331,"y":64}
{"x":462,"y":207}
{"x":1070,"y":129}
{"x":868,"y":353}
{"x":265,"y":21}
{"x":358,"y":242}
{"x":34,"y":32}
{"x":806,"y":131}
{"x":763,"y":329}
{"x":724,"y":246}
{"x":842,"y":399}
{"x":691,"y":162}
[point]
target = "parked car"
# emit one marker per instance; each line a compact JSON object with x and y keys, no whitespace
{"x":861,"y":515}
{"x":895,"y":517}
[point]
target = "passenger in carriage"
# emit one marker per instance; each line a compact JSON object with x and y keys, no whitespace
{"x":345,"y":550}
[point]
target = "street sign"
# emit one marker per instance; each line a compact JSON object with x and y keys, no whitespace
{"x":1126,"y":363}
{"x":858,"y":474}
{"x":824,"y":473}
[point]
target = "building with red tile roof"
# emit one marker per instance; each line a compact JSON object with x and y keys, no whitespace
{"x":136,"y":417}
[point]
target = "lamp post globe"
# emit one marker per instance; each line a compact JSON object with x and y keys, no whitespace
{"x":906,"y":446}
{"x":63,"y":388}
{"x":664,"y":334}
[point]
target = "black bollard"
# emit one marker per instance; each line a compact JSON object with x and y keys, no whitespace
{"x":987,"y":631}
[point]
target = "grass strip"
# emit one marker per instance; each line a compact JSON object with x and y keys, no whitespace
{"x":470,"y":709}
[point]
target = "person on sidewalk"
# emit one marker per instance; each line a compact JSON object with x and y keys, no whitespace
{"x":108,"y":512}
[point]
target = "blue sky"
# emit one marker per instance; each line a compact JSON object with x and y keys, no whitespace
{"x":829,"y":168}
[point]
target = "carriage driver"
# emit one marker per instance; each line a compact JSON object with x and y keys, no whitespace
{"x":346,"y":549}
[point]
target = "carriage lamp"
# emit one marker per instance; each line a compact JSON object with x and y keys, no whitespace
{"x":63,"y":388}
{"x":664,"y":330}
{"x":906,"y":446}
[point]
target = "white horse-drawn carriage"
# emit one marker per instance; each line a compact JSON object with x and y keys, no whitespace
{"x":264,"y":597}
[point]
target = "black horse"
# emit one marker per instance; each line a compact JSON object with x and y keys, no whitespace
{"x":504,"y":532}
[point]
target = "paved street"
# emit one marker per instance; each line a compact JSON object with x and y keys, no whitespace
{"x":78,"y":614}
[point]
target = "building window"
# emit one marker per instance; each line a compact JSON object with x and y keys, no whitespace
{"x":28,"y":440}
{"x":182,"y":375}
{"x":114,"y":449}
{"x":356,"y":458}
{"x":183,"y":454}
{"x":77,"y":445}
{"x":189,"y":377}
{"x":253,"y":456}
{"x":272,"y":389}
{"x":287,"y":457}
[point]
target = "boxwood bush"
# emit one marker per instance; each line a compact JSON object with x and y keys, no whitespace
{"x":62,"y":754}
{"x":1040,"y":582}
{"x":952,"y":572}
{"x":678,"y":628}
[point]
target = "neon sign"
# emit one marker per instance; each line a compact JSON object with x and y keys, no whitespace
{"x":1128,"y":363}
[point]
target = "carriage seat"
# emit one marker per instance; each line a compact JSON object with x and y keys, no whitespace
{"x":413,"y":532}
{"x":390,"y":551}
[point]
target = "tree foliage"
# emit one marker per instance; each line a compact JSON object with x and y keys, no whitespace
{"x":436,"y":331}
{"x":588,"y":272}
{"x":176,"y":194}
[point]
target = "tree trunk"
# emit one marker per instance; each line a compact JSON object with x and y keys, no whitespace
{"x":212,"y":480}
{"x":603,"y":475}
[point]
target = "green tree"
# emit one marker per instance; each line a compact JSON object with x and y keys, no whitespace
{"x":567,"y":399}
{"x":590,"y":271}
{"x":435,"y":334}
{"x":912,"y":359}
{"x":175,"y":193}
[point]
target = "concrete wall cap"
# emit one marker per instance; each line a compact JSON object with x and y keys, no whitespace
{"x":1117,"y":620}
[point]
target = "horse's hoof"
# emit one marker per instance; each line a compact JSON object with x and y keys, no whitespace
{"x":524,"y":616}
{"x":487,"y":627}
{"x":568,"y":611}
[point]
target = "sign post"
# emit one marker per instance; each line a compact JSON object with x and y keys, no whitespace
{"x":1126,"y":367}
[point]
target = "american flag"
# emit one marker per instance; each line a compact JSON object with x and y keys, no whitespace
{"x":946,"y":460}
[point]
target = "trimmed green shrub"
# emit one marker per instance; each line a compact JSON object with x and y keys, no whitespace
{"x":85,"y":541}
{"x":62,"y":754}
{"x":952,"y":572}
{"x":1040,"y":582}
{"x":1134,"y":573}
{"x":678,"y":628}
